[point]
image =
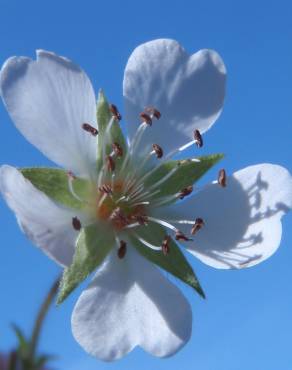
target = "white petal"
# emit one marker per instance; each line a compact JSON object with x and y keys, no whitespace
{"x":242,"y":221}
{"x":48,"y":225}
{"x":130,"y":303}
{"x":48,"y":100}
{"x":187,"y":90}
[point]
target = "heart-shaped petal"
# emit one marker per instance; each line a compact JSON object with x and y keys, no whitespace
{"x":187,"y":90}
{"x":242,"y":221}
{"x":49,"y":100}
{"x":128,"y":304}
{"x":48,"y":225}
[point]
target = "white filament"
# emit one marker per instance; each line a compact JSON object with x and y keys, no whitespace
{"x":164,"y":179}
{"x":107,"y":137}
{"x":185,"y":222}
{"x":163,"y":223}
{"x":151,"y":246}
{"x":71,"y":189}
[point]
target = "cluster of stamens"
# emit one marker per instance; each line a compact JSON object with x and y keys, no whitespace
{"x":123,"y":201}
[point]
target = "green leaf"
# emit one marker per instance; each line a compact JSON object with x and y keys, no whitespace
{"x":174,"y":262}
{"x":23,"y":344}
{"x":93,"y":245}
{"x":187,"y":174}
{"x":42,"y":360}
{"x":104,"y":117}
{"x":54,"y":183}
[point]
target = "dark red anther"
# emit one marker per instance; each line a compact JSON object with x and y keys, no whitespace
{"x":186,"y":191}
{"x":115,"y":112}
{"x":141,"y":219}
{"x":105,"y":189}
{"x":158,"y":150}
{"x":110,"y":163}
{"x":198,"y":138}
{"x":181,"y":236}
{"x":71,"y":175}
{"x":165,"y":245}
{"x":222,"y":178}
{"x":92,"y":130}
{"x":118,"y":150}
{"x":119,"y":218}
{"x":122,"y":249}
{"x":153,"y":112}
{"x":199,"y":223}
{"x":76,"y":223}
{"x":146,"y":118}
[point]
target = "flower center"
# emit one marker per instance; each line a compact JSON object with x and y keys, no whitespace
{"x":122,"y":198}
{"x":118,"y":209}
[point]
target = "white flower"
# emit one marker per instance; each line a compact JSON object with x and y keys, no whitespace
{"x":130,"y":302}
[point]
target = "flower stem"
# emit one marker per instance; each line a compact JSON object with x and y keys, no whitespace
{"x":41,"y":316}
{"x":12,"y":361}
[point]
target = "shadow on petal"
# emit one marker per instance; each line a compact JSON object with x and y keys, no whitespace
{"x":163,"y":294}
{"x":234,"y":222}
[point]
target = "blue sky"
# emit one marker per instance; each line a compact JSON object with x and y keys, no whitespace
{"x":246,"y":322}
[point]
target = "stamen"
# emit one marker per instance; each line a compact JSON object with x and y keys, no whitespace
{"x":165,"y":245}
{"x":71,"y":178}
{"x":183,"y":222}
{"x":164,"y":200}
{"x":140,"y":203}
{"x":118,"y":150}
{"x":153,"y":112}
{"x":105,"y":189}
{"x":122,"y":198}
{"x":163,"y":223}
{"x":131,"y":177}
{"x":199,"y":223}
{"x":143,"y":241}
{"x":161,"y":181}
{"x":76,"y":223}
{"x":158,"y":150}
{"x":71,"y":175}
{"x":146,"y":195}
{"x":92,"y":130}
{"x":119,"y":218}
{"x":179,"y":235}
{"x":107,"y":137}
{"x":102,"y":199}
{"x":115,"y":112}
{"x":130,"y":226}
{"x":135,"y":142}
{"x":198,"y":138}
{"x":186,"y":191}
{"x":138,"y":135}
{"x":141,"y":219}
{"x":129,"y":183}
{"x":145,"y":118}
{"x":100,"y":176}
{"x":222,"y":178}
{"x":113,"y":180}
{"x":122,"y":249}
{"x":135,"y":191}
{"x":165,"y":178}
{"x":110,"y":163}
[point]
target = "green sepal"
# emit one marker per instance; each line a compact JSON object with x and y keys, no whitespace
{"x":93,"y":245}
{"x":187,"y":173}
{"x":54,"y":183}
{"x":174,"y":262}
{"x":104,"y":117}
